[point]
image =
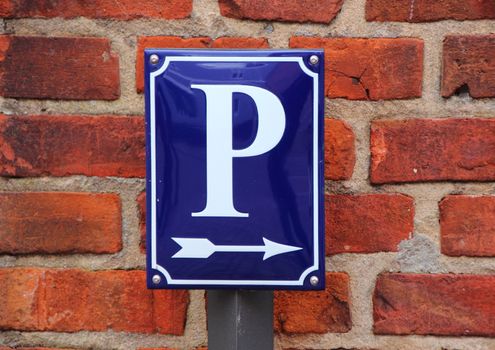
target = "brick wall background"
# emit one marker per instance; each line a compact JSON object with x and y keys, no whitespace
{"x":410,"y":169}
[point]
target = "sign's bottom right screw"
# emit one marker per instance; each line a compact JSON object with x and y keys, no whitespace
{"x":314,"y":280}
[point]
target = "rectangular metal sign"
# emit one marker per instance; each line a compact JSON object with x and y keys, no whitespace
{"x":234,"y":169}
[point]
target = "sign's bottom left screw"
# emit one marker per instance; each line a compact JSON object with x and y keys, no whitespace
{"x":156,"y":279}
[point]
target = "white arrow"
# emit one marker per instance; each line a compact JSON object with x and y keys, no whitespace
{"x":202,"y":248}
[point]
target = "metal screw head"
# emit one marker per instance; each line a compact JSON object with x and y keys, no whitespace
{"x":156,"y":279}
{"x":314,"y":280}
{"x":154,"y":59}
{"x":314,"y":59}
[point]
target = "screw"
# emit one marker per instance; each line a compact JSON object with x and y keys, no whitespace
{"x":314,"y":60}
{"x":314,"y":280}
{"x":154,"y":59}
{"x":156,"y":279}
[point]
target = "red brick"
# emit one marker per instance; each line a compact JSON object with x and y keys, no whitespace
{"x":69,"y":145}
{"x":58,"y":68}
{"x":141,"y":202}
{"x":315,"y":311}
{"x":369,"y":69}
{"x":19,"y":298}
{"x":124,"y":9}
{"x":57,"y":222}
{"x":367,"y":223}
{"x":77,"y":300}
{"x":240,"y":43}
{"x":446,"y":304}
{"x":149,"y":42}
{"x":340,"y":155}
{"x":469,"y":65}
{"x":468,"y":225}
{"x":428,"y":10}
{"x":432,"y":150}
{"x":319,"y":11}
{"x":5,"y":348}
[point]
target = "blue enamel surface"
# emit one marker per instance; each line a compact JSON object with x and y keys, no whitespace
{"x":275,"y":188}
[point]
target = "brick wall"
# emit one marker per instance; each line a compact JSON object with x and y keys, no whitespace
{"x":409,"y":168}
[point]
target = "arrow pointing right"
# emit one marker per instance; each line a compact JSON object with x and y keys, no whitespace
{"x":203,"y":248}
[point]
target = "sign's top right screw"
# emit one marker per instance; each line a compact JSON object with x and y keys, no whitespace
{"x":314,"y":60}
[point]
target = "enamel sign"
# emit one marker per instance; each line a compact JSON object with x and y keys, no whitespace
{"x":234,"y":169}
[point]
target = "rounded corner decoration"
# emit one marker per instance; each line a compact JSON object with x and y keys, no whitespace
{"x":234,"y":169}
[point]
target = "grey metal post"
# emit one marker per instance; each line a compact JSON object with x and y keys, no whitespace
{"x":240,"y":320}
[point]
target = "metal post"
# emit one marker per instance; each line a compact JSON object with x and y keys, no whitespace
{"x":240,"y":320}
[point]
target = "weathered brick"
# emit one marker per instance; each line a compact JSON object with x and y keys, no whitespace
{"x":37,"y":348}
{"x":369,"y":68}
{"x":58,"y":68}
{"x":340,"y":155}
{"x":367,"y":223}
{"x":445,"y":304}
{"x":149,"y":42}
{"x":55,"y":222}
{"x":428,"y":10}
{"x":469,"y":65}
{"x":19,"y":298}
{"x":432,"y":150}
{"x":141,"y":203}
{"x":319,"y":11}
{"x":468,"y":225}
{"x":124,"y":9}
{"x":316,"y":311}
{"x":239,"y":43}
{"x":68,"y":145}
{"x":44,"y":300}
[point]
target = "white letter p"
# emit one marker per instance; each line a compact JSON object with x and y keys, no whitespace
{"x":219,"y":146}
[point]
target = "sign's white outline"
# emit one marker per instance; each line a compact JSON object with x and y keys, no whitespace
{"x":200,"y":282}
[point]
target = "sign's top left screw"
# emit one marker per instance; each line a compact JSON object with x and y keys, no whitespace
{"x":154,"y":59}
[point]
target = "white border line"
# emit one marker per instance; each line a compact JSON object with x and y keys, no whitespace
{"x":154,"y":264}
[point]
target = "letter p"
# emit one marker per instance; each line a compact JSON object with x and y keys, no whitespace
{"x":219,"y":151}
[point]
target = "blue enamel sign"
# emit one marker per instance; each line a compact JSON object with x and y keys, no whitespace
{"x":234,"y":169}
